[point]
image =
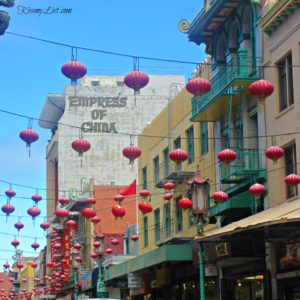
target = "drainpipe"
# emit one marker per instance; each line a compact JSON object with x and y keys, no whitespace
{"x":253,"y":35}
{"x":201,"y":272}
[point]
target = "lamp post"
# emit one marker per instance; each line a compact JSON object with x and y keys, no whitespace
{"x":101,"y":289}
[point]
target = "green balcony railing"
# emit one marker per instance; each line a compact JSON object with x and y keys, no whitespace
{"x":238,"y":69}
{"x":246,"y":164}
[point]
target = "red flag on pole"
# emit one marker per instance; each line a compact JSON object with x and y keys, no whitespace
{"x":129,"y":190}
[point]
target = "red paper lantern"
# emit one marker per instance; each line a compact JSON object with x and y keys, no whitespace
{"x":227,"y":156}
{"x":134,"y":237}
{"x":88,"y":213}
{"x":20,"y":266}
{"x":136,"y":80}
{"x":108,"y":251}
{"x":34,"y":265}
{"x":35,"y":245}
{"x":34,"y":212}
{"x":274,"y":153}
{"x":36,"y":198}
{"x":115,"y":242}
{"x":256,"y":189}
{"x":261,"y":88}
{"x":10,"y":193}
{"x":185,"y":203}
{"x":97,"y":244}
{"x":62,"y":213}
{"x":29,"y":136}
{"x":81,"y":145}
{"x":49,"y":264}
{"x":15,"y":243}
{"x":144,"y":193}
{"x":71,"y":224}
{"x":168,"y":196}
{"x":220,"y":196}
{"x":145,"y":207}
{"x":74,"y":70}
{"x":57,"y":246}
{"x":45,"y":225}
{"x":77,"y":246}
{"x":90,"y":201}
{"x":19,"y":225}
{"x":169,"y":186}
{"x":95,"y":219}
{"x":8,"y":209}
{"x":119,"y":198}
{"x":64,"y":200}
{"x":6,"y":265}
{"x":78,"y":259}
{"x":118,"y":211}
{"x":132,"y":152}
{"x":198,"y":86}
{"x":292,"y":179}
{"x":178,"y":155}
{"x":94,"y":255}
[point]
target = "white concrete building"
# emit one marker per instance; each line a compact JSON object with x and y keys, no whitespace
{"x":108,"y":112}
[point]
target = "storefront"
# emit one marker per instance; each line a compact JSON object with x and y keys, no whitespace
{"x":288,"y":269}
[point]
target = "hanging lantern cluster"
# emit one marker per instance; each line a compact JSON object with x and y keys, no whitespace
{"x":145,"y":207}
{"x":64,"y":201}
{"x":168,"y":186}
{"x":261,"y":88}
{"x":118,"y":211}
{"x":198,"y":86}
{"x":8,"y":208}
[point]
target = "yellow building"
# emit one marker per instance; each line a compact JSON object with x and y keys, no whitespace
{"x":168,"y":264}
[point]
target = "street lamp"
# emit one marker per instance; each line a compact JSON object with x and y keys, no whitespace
{"x":98,"y":256}
{"x":76,"y":260}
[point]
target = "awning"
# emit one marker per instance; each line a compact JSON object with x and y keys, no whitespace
{"x":284,"y":213}
{"x":89,"y":280}
{"x":166,"y":253}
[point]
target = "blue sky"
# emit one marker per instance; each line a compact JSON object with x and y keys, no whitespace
{"x":31,"y":69}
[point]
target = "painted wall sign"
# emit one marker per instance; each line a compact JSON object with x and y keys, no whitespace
{"x":98,"y":113}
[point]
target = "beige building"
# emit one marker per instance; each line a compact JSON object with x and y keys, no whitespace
{"x":281,"y":39}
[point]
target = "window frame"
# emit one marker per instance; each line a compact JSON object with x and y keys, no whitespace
{"x":145,"y":178}
{"x":190,"y":134}
{"x":204,"y":138}
{"x":289,"y":169}
{"x":157,"y":225}
{"x":156,"y":169}
{"x":179,"y":215}
{"x":146,"y":233}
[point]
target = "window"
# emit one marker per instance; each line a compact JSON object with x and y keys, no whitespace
{"x":179,"y":221}
{"x":204,"y":137}
{"x":157,"y":224}
{"x":145,"y":179}
{"x":95,"y":83}
{"x":146,"y":238}
{"x":177,"y":143}
{"x":190,"y":144}
{"x":120,"y":83}
{"x":290,"y":167}
{"x":167,"y":161}
{"x":168,"y":219}
{"x":285,"y":78}
{"x":156,"y":169}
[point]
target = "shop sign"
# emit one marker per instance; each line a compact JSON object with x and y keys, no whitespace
{"x":67,"y":245}
{"x":86,"y":281}
{"x":154,"y":284}
{"x":210,"y":269}
{"x":288,"y":275}
{"x":289,"y":255}
{"x":134,"y":280}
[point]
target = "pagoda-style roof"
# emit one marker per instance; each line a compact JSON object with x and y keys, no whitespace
{"x":197,"y":179}
{"x":277,"y":14}
{"x":208,"y":21}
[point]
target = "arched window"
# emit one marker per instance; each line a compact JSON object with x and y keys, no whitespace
{"x":220,"y":46}
{"x":233,"y":35}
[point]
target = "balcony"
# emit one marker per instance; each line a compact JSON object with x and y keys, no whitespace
{"x":171,"y":172}
{"x":246,"y":166}
{"x":231,"y":81}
